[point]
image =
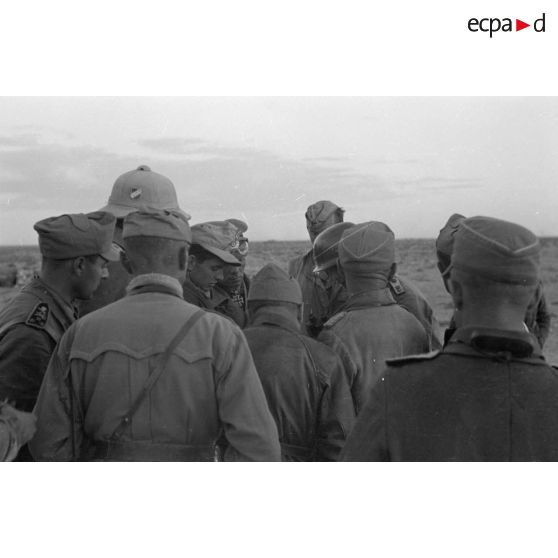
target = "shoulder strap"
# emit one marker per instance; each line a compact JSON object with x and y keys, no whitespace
{"x":156,"y":373}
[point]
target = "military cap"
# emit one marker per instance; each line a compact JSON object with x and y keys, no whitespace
{"x":141,"y":188}
{"x":272,"y":283}
{"x":242,"y":248}
{"x":318,"y":213}
{"x":499,"y":250}
{"x":240,"y":225}
{"x":444,"y":242}
{"x":161,"y":223}
{"x":325,"y":249}
{"x":367,"y":247}
{"x":73,"y":235}
{"x":219,"y":238}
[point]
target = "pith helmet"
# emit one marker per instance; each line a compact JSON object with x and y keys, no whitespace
{"x":326,"y":246}
{"x":140,"y":188}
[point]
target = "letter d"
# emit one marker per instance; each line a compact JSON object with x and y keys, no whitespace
{"x":535,"y":25}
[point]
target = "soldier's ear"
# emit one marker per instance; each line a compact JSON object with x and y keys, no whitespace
{"x":191,"y":262}
{"x":78,"y":266}
{"x":125,"y":261}
{"x":392,"y":270}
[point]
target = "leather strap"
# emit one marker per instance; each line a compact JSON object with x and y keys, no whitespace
{"x":155,"y":374}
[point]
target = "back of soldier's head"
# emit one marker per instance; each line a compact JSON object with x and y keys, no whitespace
{"x":271,"y":286}
{"x":155,"y":239}
{"x":367,"y":252}
{"x":325,"y":249}
{"x":495,"y":260}
{"x":321,"y":215}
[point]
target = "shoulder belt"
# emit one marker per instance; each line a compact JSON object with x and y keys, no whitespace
{"x":156,"y":373}
{"x":335,"y":319}
{"x":412,"y":358}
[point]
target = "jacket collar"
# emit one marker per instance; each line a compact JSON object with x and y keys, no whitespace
{"x":369,"y":299}
{"x":498,"y":343}
{"x":269,"y":317}
{"x":154,"y":282}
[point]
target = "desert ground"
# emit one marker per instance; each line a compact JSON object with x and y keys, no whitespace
{"x":416,"y":260}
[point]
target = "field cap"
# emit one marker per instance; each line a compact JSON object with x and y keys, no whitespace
{"x":325,"y":249}
{"x":272,"y":283}
{"x":218,"y":238}
{"x":161,"y":223}
{"x":318,"y":213}
{"x":444,"y":242}
{"x":240,"y":225}
{"x":140,"y":188}
{"x":73,"y":235}
{"x":367,"y":247}
{"x":499,"y":250}
{"x":240,"y":249}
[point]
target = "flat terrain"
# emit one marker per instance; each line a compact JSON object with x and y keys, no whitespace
{"x":416,"y":260}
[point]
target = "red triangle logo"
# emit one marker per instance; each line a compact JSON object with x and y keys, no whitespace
{"x":519,"y":25}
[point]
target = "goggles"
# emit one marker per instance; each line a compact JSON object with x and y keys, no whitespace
{"x":240,"y":244}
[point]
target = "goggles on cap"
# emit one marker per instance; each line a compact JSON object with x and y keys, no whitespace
{"x":240,"y":244}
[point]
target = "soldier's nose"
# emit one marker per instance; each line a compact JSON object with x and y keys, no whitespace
{"x":105,"y":273}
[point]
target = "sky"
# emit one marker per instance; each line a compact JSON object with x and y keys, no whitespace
{"x":408,"y":161}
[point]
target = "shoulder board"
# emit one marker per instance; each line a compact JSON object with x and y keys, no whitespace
{"x":38,"y":316}
{"x":334,"y":319}
{"x":396,"y":285}
{"x":412,"y":358}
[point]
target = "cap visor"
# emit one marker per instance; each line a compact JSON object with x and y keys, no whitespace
{"x":227,"y":257}
{"x":113,"y":255}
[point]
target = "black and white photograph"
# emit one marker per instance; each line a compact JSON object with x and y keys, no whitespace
{"x":249,"y":255}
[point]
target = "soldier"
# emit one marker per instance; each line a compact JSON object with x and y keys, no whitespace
{"x":371,"y":327}
{"x":75,"y":250}
{"x":16,"y":429}
{"x":131,"y":191}
{"x":304,"y":381}
{"x":327,"y":275}
{"x":235,"y":283}
{"x":213,"y":244}
{"x":488,"y":395}
{"x":151,"y":377}
{"x":405,"y":293}
{"x":319,"y":216}
{"x":537,"y":317}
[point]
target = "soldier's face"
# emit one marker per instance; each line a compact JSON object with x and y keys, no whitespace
{"x":232,"y":275}
{"x":94,"y":270}
{"x":206,"y":274}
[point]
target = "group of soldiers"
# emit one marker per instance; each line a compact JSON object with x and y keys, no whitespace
{"x":142,"y":339}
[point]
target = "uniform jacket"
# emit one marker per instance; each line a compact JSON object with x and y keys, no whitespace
{"x":305,"y":385}
{"x":488,"y":396}
{"x":408,"y":296}
{"x":210,"y":385}
{"x":31,"y":325}
{"x":220,"y":302}
{"x":371,"y":329}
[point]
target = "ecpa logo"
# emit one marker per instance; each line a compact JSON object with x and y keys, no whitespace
{"x":494,"y":24}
